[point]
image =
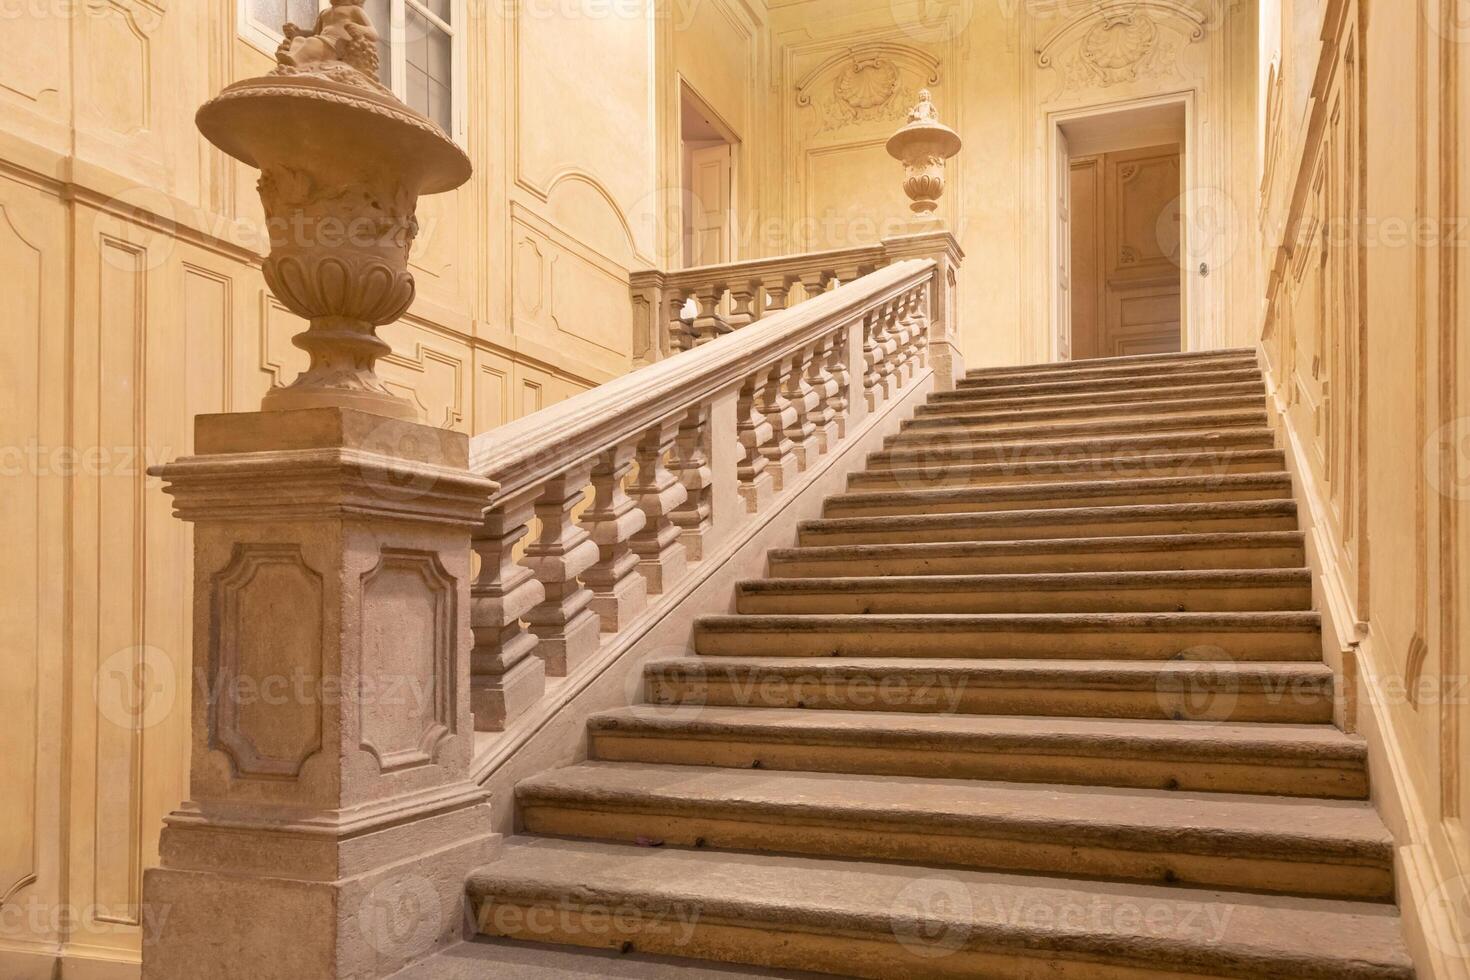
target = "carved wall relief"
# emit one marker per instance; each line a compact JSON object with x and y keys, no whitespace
{"x":1121,"y":42}
{"x":267,"y":634}
{"x":406,"y":677}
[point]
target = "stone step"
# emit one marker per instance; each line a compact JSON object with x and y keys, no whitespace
{"x":1127,"y":466}
{"x":956,"y":451}
{"x":1298,"y":693}
{"x":1081,"y":522}
{"x":975,"y":399}
{"x":1236,"y":636}
{"x":1041,"y":496}
{"x":1278,"y":549}
{"x":985,"y":417}
{"x":1103,"y":368}
{"x":1238,"y":590}
{"x":1125,"y":361}
{"x":876,"y":920}
{"x":1316,"y":761}
{"x":1103,"y":429}
{"x":1037,"y":385}
{"x":1312,"y":848}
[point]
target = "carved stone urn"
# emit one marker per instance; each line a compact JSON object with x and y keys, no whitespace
{"x":343,"y":163}
{"x":923,"y":146}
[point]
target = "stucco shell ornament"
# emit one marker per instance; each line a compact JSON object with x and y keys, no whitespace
{"x":1118,"y":43}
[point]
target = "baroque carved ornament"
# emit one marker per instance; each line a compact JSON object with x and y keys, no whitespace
{"x":1121,"y":41}
{"x":867,"y":85}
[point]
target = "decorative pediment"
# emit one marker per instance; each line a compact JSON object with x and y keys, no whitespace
{"x":872,"y":82}
{"x":1121,"y":41}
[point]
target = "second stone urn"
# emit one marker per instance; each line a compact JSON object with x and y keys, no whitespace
{"x":923,"y":146}
{"x":343,"y":164}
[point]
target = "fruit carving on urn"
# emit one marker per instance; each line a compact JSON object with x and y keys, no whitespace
{"x":343,"y":163}
{"x":923,"y":146}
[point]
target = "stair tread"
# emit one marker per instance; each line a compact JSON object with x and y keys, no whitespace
{"x":1121,"y":543}
{"x":1040,"y":431}
{"x":1040,"y":581}
{"x":1199,"y":440}
{"x":1214,"y":930}
{"x":1139,"y":819}
{"x":1314,"y":743}
{"x":1120,"y":674}
{"x":1151,"y":622}
{"x":945,"y":414}
{"x":1018,"y":385}
{"x":1217,"y":354}
{"x":1137,"y":393}
{"x":1230,"y":508}
{"x":1095,"y":487}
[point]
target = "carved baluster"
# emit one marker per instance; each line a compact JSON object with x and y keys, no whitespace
{"x":565,"y":623}
{"x":814,"y":284}
{"x":742,"y":304}
{"x":691,"y":462}
{"x":778,"y":410}
{"x":921,"y":326}
{"x":505,"y":677}
{"x":889,"y":340}
{"x":710,"y":324}
{"x":803,"y":398}
{"x":619,"y":592}
{"x":777,"y":294}
{"x":840,"y":371}
{"x":906,"y":335}
{"x":873,"y":358}
{"x":823,"y":388}
{"x":754,"y":432}
{"x":662,"y":557}
{"x":681,"y":330}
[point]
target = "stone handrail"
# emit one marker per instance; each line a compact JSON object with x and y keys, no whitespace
{"x":749,"y":411}
{"x":732,"y":296}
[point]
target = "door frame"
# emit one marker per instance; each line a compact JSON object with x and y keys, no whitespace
{"x":1192,"y":284}
{"x":728,"y":133}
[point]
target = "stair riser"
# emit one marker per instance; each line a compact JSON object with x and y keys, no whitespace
{"x":1015,"y":848}
{"x":1040,"y":387}
{"x":944,"y":476}
{"x":962,"y":436}
{"x":1118,"y":768}
{"x":1297,"y":703}
{"x":839,"y":509}
{"x":883,"y":958}
{"x":971,"y":400}
{"x":1209,"y":599}
{"x":1299,"y":647}
{"x":1095,"y":452}
{"x":1203,"y":559}
{"x":1038,"y":532}
{"x":1139,"y":374}
{"x":1132,"y":362}
{"x":938,"y":417}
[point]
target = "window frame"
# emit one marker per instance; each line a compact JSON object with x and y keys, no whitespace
{"x":267,"y":39}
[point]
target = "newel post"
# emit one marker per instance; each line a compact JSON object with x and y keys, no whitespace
{"x":923,"y":146}
{"x":331,"y":818}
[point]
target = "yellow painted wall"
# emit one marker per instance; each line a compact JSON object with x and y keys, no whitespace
{"x":1366,"y":330}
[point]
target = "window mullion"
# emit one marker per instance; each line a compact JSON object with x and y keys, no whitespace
{"x":399,"y":50}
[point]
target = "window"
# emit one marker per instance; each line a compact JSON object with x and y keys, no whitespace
{"x":420,"y":54}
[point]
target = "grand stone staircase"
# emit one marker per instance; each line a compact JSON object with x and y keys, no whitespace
{"x":1040,"y":696}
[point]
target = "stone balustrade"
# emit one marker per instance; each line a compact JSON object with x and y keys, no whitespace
{"x":621,"y":490}
{"x":679,"y":310}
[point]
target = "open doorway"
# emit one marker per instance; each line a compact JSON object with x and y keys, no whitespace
{"x":1120,"y":183}
{"x":709,"y":151}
